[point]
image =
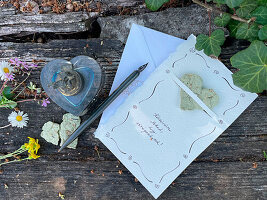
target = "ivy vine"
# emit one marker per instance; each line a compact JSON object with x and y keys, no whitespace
{"x":245,"y":19}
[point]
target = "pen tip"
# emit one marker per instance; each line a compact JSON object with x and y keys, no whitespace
{"x":140,"y":69}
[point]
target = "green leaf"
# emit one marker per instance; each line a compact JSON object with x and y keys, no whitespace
{"x":6,"y":103}
{"x":220,"y":1}
{"x":222,"y":20}
{"x":233,"y":26}
{"x":32,"y":87}
{"x":261,"y":15}
{"x":233,"y":3}
{"x":263,"y":33}
{"x":7,"y":93}
{"x":252,"y":63}
{"x":154,"y":5}
{"x":246,"y":7}
{"x":211,"y":45}
{"x":244,"y":31}
{"x":265,"y":155}
{"x":262,"y":3}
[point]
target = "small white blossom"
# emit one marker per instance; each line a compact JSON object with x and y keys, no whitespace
{"x":18,"y":119}
{"x":5,"y":68}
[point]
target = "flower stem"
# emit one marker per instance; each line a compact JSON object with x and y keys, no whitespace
{"x":19,"y":151}
{"x":209,"y":13}
{"x":17,"y":102}
{"x":221,"y":12}
{"x":3,"y":86}
{"x":5,"y":126}
{"x":21,"y":83}
{"x":25,"y":100}
{"x":14,"y":161}
{"x":19,"y":93}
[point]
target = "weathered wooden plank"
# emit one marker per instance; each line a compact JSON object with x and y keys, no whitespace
{"x":16,"y":23}
{"x":179,"y":22}
{"x":244,"y":140}
{"x":104,"y":7}
{"x":44,"y":179}
{"x":21,"y":24}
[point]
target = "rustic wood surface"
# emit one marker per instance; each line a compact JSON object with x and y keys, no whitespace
{"x":226,"y":167}
{"x":232,"y":167}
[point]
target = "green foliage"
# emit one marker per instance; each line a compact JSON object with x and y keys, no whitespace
{"x":6,"y":103}
{"x":261,"y":15}
{"x":211,"y":45}
{"x":265,"y":155}
{"x":246,"y":31}
{"x":263,"y":33}
{"x":246,"y":7}
{"x":219,"y":2}
{"x":222,"y":20}
{"x":233,"y":26}
{"x":252,"y":63}
{"x":262,"y":3}
{"x":154,"y":5}
{"x":7,"y":93}
{"x":233,"y":3}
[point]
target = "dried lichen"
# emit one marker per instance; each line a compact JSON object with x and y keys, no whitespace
{"x":194,"y":83}
{"x":52,"y":132}
{"x":67,"y":127}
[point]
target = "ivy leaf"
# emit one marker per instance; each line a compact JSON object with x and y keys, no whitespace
{"x":263,"y":33}
{"x":262,"y":3}
{"x":233,"y":3}
{"x":246,"y":7}
{"x":233,"y":26}
{"x":252,"y":63}
{"x":211,"y":45}
{"x":7,"y":93}
{"x":244,"y":31}
{"x":217,"y":1}
{"x":154,"y":5}
{"x":261,"y":15}
{"x":220,"y":1}
{"x":223,"y":20}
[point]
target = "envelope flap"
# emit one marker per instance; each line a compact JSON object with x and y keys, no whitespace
{"x":143,"y":45}
{"x":160,"y":45}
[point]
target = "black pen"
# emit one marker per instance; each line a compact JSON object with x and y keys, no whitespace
{"x":100,"y":109}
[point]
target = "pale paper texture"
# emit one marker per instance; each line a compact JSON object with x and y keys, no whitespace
{"x":143,"y":46}
{"x":153,"y":137}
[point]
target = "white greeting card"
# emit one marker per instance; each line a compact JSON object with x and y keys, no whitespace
{"x":156,"y":139}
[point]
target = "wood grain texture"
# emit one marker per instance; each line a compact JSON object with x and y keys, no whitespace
{"x":180,"y":22}
{"x":44,"y":179}
{"x":223,"y":171}
{"x":20,"y":24}
{"x":16,"y":23}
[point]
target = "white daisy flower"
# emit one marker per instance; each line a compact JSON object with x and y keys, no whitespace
{"x":5,"y":68}
{"x":18,"y":119}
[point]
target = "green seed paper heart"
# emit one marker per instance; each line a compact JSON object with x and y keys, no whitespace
{"x":194,"y":83}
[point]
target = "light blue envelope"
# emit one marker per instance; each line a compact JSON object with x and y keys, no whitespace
{"x":143,"y":46}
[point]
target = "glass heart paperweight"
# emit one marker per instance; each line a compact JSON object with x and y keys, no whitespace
{"x":73,"y":84}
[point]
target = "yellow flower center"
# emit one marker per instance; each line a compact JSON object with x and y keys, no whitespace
{"x":6,"y":70}
{"x":19,"y":118}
